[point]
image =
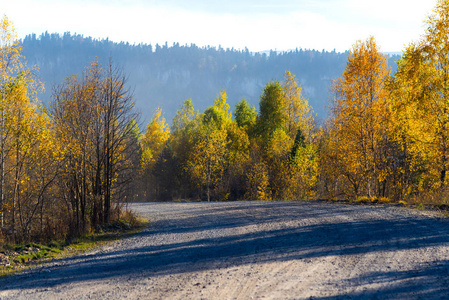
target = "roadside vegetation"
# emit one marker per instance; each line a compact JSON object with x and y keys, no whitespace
{"x":68,"y":170}
{"x":16,"y":257}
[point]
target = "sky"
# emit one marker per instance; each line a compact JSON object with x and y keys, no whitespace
{"x":258,"y":25}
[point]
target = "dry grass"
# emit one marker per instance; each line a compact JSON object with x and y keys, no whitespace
{"x":438,"y":199}
{"x":22,"y":256}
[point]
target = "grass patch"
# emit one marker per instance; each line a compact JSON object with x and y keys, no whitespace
{"x":437,"y":200}
{"x":372,"y":200}
{"x":15,"y":258}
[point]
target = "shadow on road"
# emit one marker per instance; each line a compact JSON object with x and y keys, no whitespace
{"x":402,"y":285}
{"x":336,"y":236}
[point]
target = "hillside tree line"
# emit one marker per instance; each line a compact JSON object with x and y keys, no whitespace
{"x":165,"y":75}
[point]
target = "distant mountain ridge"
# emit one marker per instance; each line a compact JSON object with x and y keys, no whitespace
{"x":167,"y":75}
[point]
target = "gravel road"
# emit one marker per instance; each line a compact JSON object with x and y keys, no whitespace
{"x":255,"y":250}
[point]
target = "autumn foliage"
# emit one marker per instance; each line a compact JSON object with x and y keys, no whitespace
{"x":69,"y":168}
{"x":387,"y":135}
{"x":66,"y":169}
{"x":214,"y":156}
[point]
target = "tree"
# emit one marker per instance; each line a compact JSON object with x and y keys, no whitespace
{"x":184,"y":116}
{"x":237,"y":160}
{"x":421,"y":91}
{"x":218,"y":115}
{"x":185,"y":127}
{"x":72,"y":115}
{"x":208,"y":160}
{"x":245,"y":115}
{"x":93,"y":117}
{"x":272,"y":139}
{"x":276,"y":152}
{"x":37,"y":156}
{"x":184,"y":124}
{"x":154,"y":139}
{"x":18,"y":135}
{"x":284,"y":113}
{"x":303,"y":167}
{"x":272,"y":110}
{"x":153,"y":142}
{"x":9,"y":65}
{"x":117,"y":115}
{"x":298,"y":115}
{"x":359,"y":118}
{"x":413,"y":128}
{"x":129,"y":182}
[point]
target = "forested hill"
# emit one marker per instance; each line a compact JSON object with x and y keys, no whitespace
{"x":167,"y":75}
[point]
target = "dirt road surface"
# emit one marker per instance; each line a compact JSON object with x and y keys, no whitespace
{"x":256,"y":250}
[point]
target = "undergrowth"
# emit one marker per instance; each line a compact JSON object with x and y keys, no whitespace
{"x":435,"y":200}
{"x":16,"y":257}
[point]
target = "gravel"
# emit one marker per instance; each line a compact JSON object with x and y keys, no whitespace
{"x":254,"y":250}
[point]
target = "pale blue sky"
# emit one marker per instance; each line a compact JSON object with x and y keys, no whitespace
{"x":256,"y":24}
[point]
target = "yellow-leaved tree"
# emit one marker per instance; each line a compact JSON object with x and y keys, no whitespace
{"x":152,"y":143}
{"x":208,"y":160}
{"x":94,"y":119}
{"x":421,"y":105}
{"x":360,"y":113}
{"x":154,"y":139}
{"x":26,"y":145}
{"x":298,"y":114}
